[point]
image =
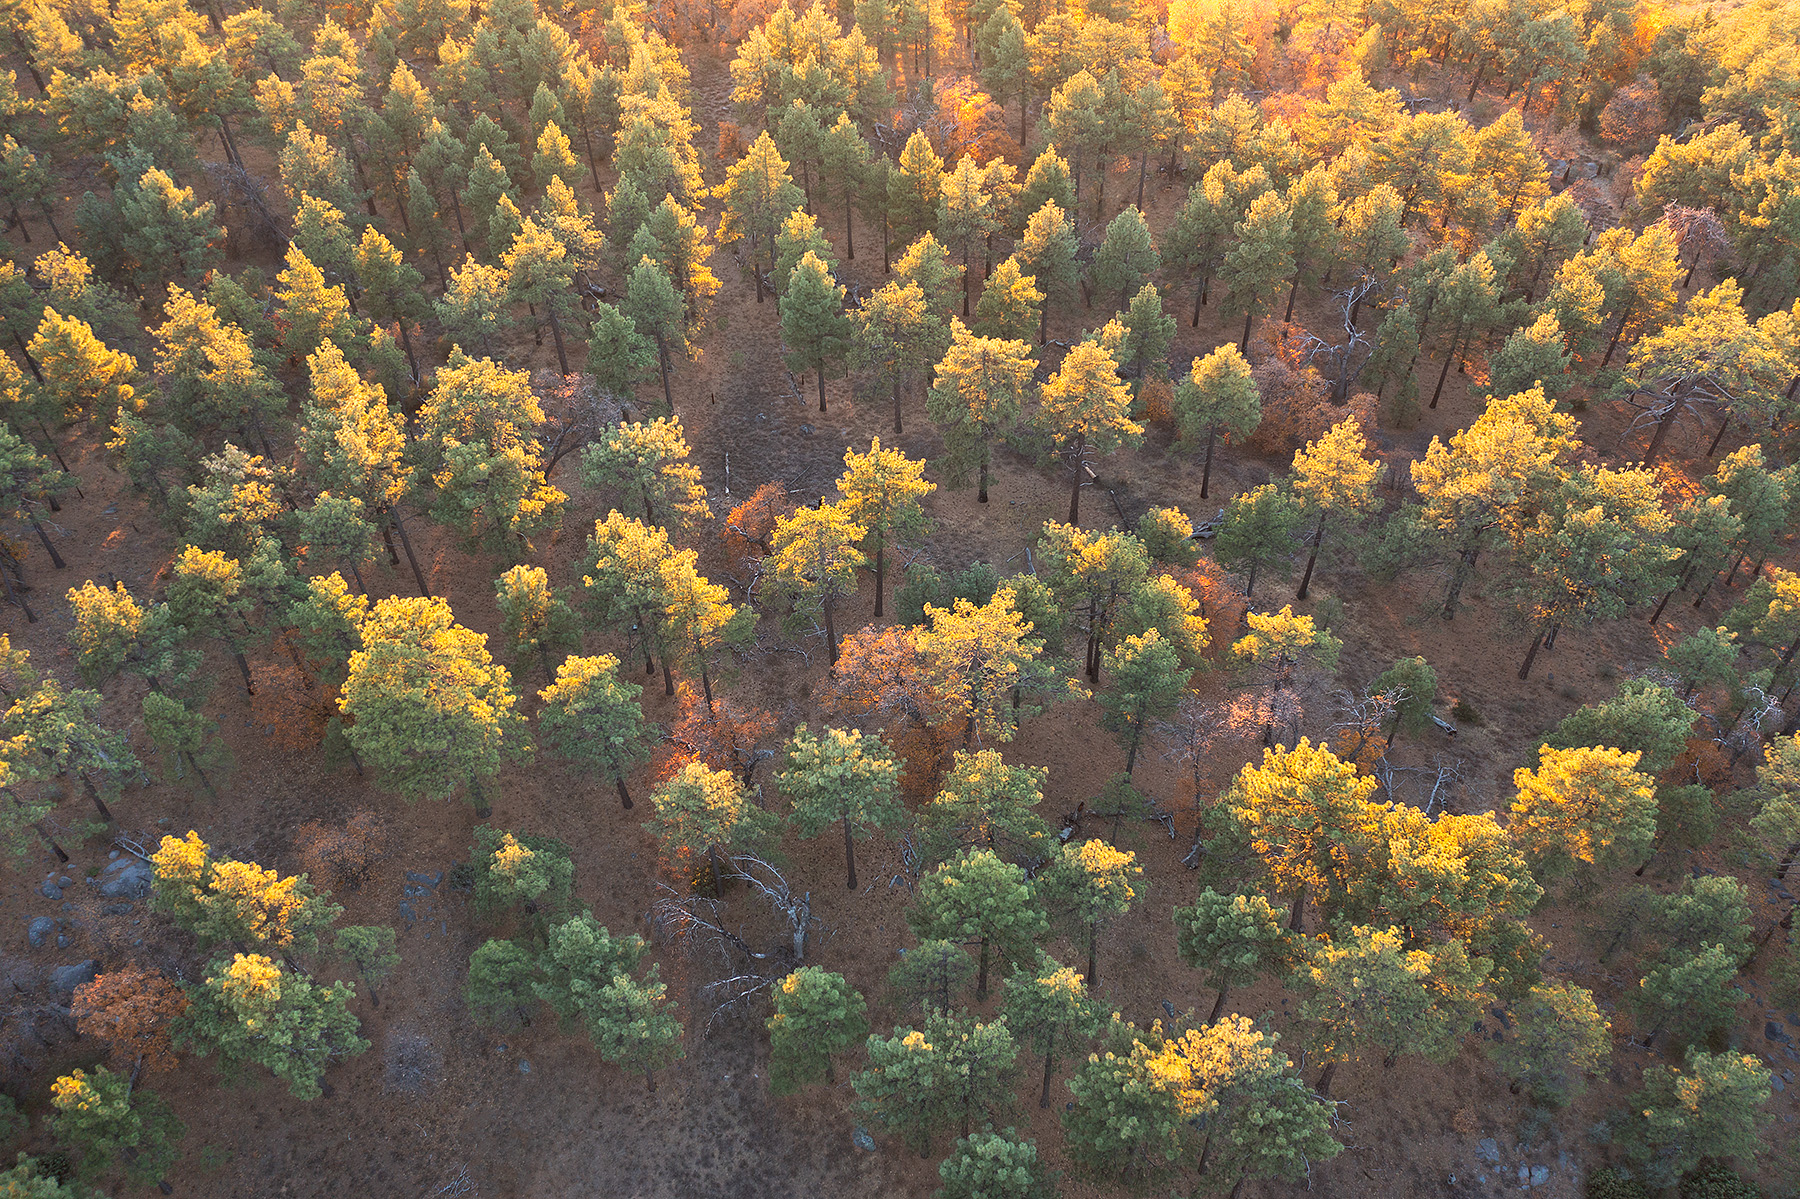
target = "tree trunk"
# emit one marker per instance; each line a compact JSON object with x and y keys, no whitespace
{"x":1293,"y":291}
{"x":821,"y":386}
{"x":244,"y":668}
{"x":982,"y":975}
{"x":13,"y":597}
{"x":1318,"y":538}
{"x":880,"y":573}
{"x":830,"y":632}
{"x":849,"y":857}
{"x":1199,"y":299}
{"x":1093,"y":974}
{"x":981,"y":496}
{"x":1218,"y":1006}
{"x":1297,"y":913}
{"x":1617,"y":334}
{"x":1531,"y":656}
{"x":1244,"y":342}
{"x":99,"y":804}
{"x":1212,"y":433}
{"x":1656,"y":439}
{"x":1324,"y":1087}
{"x":624,"y":795}
{"x":562,"y":355}
{"x":1075,"y":491}
{"x":1049,"y":1064}
{"x":897,"y":429}
{"x":1724,"y":424}
{"x":850,"y":220}
{"x":56,"y":559}
{"x":1449,"y":356}
{"x":1143,"y":169}
{"x":412,"y":560}
{"x":662,"y":354}
{"x":1660,"y":605}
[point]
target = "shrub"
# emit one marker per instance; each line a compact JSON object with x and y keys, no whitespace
{"x":1608,"y":1183}
{"x":1718,"y":1182}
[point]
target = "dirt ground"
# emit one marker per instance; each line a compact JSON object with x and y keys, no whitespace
{"x":533,"y":1112}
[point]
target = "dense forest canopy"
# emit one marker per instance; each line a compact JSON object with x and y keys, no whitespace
{"x":373,"y":376}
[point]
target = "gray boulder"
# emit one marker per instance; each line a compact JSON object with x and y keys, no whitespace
{"x":39,"y":931}
{"x":128,"y":878}
{"x":66,"y":978}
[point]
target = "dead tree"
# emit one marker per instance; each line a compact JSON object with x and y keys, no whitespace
{"x":1344,"y":362}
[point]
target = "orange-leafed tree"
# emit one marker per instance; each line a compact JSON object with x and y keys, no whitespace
{"x":747,"y":529}
{"x":730,"y":734}
{"x":132,"y":1010}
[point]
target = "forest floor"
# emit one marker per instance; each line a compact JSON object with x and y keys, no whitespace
{"x":533,"y":1112}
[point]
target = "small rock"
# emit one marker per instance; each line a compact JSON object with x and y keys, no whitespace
{"x":62,"y":940}
{"x":65,"y":881}
{"x":117,"y":909}
{"x":862,"y":1140}
{"x":806,"y":430}
{"x":39,"y":931}
{"x":524,"y":1066}
{"x":1540,"y":1175}
{"x":50,"y":891}
{"x":1775,"y":1081}
{"x":1772,"y":1032}
{"x":67,"y":978}
{"x":1524,"y":1176}
{"x":1793,"y":1019}
{"x":113,"y":854}
{"x":1488,"y":1150}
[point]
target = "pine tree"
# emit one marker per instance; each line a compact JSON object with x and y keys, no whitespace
{"x":1336,"y":482}
{"x":914,"y":189}
{"x":893,"y":333}
{"x":592,"y":717}
{"x":954,"y":1072}
{"x":1259,"y":531}
{"x":984,"y":803}
{"x":103,"y":1118}
{"x":1127,"y":256}
{"x":647,"y":461}
{"x":1047,"y":1008}
{"x":701,"y":811}
{"x":1260,"y":260}
{"x":1090,"y":886}
{"x":989,"y":1165}
{"x":846,"y":777}
{"x":1584,"y":806}
{"x":1238,"y":937}
{"x":976,"y":897}
{"x":1560,"y":1037}
{"x":1705,"y":1108}
{"x":250,"y":1011}
{"x":1218,"y":393}
{"x":815,"y":560}
{"x":1047,"y":251}
{"x":758,"y":194}
{"x":432,"y":711}
{"x":654,"y":306}
{"x":1084,"y":407}
{"x":164,"y":232}
{"x":814,"y":326}
{"x":817,"y":1014}
{"x":533,"y":616}
{"x":1010,"y":303}
{"x":881,"y":491}
{"x":1306,"y":815}
{"x":1147,"y":680}
{"x":980,"y":393}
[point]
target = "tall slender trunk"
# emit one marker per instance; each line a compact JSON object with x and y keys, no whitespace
{"x":1449,"y":357}
{"x":1617,"y":334}
{"x":411,"y":558}
{"x":662,"y":354}
{"x":1143,"y":169}
{"x":897,"y":429}
{"x":243,"y":665}
{"x":1325,"y":1075}
{"x":1318,"y":539}
{"x":1531,"y":654}
{"x":1724,"y":424}
{"x":849,"y":857}
{"x":562,"y":355}
{"x":982,"y":976}
{"x":624,"y":795}
{"x":821,"y":385}
{"x":1661,"y":604}
{"x":1657,"y":438}
{"x":981,"y":496}
{"x":1093,"y":974}
{"x":16,"y":597}
{"x":831,"y":644}
{"x":1212,"y":434}
{"x":1075,"y":491}
{"x":56,"y":559}
{"x":1218,"y":1006}
{"x":1293,"y":291}
{"x":1049,"y":1065}
{"x":850,"y":221}
{"x":880,"y":573}
{"x":1244,"y":342}
{"x":1297,"y":913}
